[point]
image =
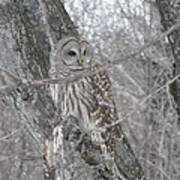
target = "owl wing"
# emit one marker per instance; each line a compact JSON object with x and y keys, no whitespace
{"x":110,"y":138}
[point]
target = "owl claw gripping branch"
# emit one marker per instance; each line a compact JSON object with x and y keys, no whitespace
{"x":90,"y":100}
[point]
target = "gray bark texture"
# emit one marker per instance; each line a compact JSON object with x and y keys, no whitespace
{"x":170,"y":15}
{"x":25,"y":53}
{"x":28,"y":116}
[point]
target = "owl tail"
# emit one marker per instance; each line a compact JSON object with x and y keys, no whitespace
{"x":126,"y":161}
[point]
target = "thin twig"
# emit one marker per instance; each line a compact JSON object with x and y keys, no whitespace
{"x":109,"y":64}
{"x":141,"y":103}
{"x":10,"y":76}
{"x":155,"y":39}
{"x":9,"y":135}
{"x":149,"y":163}
{"x":106,"y":66}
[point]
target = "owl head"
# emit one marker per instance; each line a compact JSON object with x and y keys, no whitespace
{"x":73,"y":54}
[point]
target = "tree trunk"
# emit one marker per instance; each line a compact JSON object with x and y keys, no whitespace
{"x":32,"y":26}
{"x":170,"y":15}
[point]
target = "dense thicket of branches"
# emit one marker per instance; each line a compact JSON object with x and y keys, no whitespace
{"x":170,"y":14}
{"x":146,"y":98}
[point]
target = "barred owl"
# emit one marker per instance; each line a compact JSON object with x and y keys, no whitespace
{"x":90,"y":100}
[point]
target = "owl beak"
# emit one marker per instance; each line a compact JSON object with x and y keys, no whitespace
{"x":80,"y":62}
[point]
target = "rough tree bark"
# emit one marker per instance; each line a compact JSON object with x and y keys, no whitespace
{"x":35,"y":27}
{"x":30,"y":38}
{"x":170,"y":15}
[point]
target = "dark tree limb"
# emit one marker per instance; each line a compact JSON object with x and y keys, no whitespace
{"x":170,"y":15}
{"x":33,"y":51}
{"x":32,"y":48}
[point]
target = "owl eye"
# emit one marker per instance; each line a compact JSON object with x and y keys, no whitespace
{"x":72,"y":53}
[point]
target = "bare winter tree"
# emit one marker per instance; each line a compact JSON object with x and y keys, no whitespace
{"x":142,"y":60}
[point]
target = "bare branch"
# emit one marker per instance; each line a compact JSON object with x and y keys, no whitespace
{"x":106,"y":66}
{"x":141,"y":103}
{"x":9,"y":135}
{"x":149,"y":163}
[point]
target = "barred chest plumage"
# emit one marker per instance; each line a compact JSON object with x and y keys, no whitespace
{"x":77,"y":100}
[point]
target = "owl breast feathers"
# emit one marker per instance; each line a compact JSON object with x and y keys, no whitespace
{"x":90,"y":100}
